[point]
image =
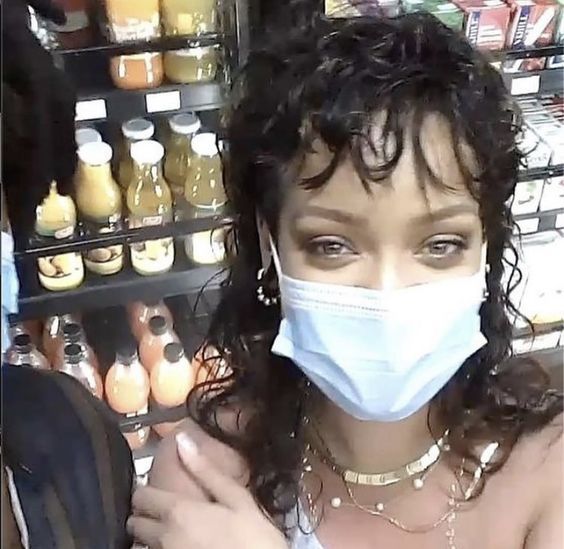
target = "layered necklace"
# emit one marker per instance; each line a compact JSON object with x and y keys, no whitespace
{"x":417,"y":472}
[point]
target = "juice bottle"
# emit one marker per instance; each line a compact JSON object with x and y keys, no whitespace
{"x":149,"y":202}
{"x":154,"y":341}
{"x":77,"y":365}
{"x":137,"y":129}
{"x":127,"y":391}
{"x":73,"y":333}
{"x":53,"y":334}
{"x":23,"y":352}
{"x":140,"y":312}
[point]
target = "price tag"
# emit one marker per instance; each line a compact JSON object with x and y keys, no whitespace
{"x":163,"y":101}
{"x":93,"y":109}
{"x":559,"y":223}
{"x":525,"y":85}
{"x":143,"y":465}
{"x":528,"y":226}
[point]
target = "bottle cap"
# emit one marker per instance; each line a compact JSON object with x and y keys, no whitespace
{"x":95,"y":154}
{"x":185,"y":123}
{"x":147,"y":152}
{"x":87,"y":135}
{"x":72,"y":332}
{"x":127,"y":352}
{"x":73,"y":353}
{"x":173,"y":352}
{"x":138,"y":129}
{"x":23,"y":343}
{"x":204,"y":144}
{"x":158,"y":325}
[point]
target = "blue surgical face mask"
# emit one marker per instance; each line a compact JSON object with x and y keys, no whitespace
{"x":10,"y":287}
{"x":380,"y":355}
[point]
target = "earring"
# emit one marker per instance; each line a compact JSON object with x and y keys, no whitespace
{"x":267,"y":301}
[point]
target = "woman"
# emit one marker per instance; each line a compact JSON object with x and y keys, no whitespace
{"x":373,"y":399}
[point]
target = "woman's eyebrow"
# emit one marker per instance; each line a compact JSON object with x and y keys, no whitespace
{"x":340,"y":216}
{"x":440,"y":214}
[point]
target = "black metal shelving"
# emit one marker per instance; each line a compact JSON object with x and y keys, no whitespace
{"x":544,"y":82}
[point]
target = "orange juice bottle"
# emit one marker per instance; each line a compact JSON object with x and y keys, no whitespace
{"x":172,"y":377}
{"x":77,"y":365}
{"x":140,"y":312}
{"x":154,"y":341}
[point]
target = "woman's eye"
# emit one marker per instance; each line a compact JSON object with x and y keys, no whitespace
{"x":329,"y":248}
{"x":440,"y":249}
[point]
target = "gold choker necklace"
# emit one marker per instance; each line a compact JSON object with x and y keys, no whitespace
{"x":416,"y":467}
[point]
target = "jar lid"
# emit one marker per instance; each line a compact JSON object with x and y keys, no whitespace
{"x":158,"y":325}
{"x":173,"y":352}
{"x":185,"y":123}
{"x":204,"y":144}
{"x":87,"y":135}
{"x":147,"y":152}
{"x":95,"y":154}
{"x":138,"y":128}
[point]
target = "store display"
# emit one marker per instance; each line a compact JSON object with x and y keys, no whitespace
{"x":191,"y":65}
{"x":137,"y":72}
{"x":552,"y":194}
{"x":77,"y":365}
{"x":141,"y":312}
{"x":205,"y":196}
{"x":152,"y":345}
{"x":73,"y":333}
{"x":149,"y":202}
{"x":86,"y":135}
{"x":557,"y":61}
{"x":193,"y":17}
{"x":179,"y":151}
{"x":56,"y":219}
{"x":132,"y":131}
{"x":78,"y":31}
{"x":447,"y":12}
{"x":172,"y":377}
{"x":132,"y":21}
{"x":127,"y":390}
{"x":23,"y":352}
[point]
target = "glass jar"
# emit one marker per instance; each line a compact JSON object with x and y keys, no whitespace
{"x":149,"y":202}
{"x":178,"y":153}
{"x":205,"y":196}
{"x":193,"y":17}
{"x":132,"y":20}
{"x":191,"y":65}
{"x":137,"y":129}
{"x":137,"y":72}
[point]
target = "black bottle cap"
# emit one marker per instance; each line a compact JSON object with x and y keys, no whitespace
{"x":157,"y":325}
{"x":73,"y":353}
{"x":127,"y":352}
{"x":72,"y":332}
{"x":22,"y":342}
{"x":173,"y":352}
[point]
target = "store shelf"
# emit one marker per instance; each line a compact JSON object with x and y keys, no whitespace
{"x":528,"y":53}
{"x":165,"y":43}
{"x":541,"y":173}
{"x":539,"y":329}
{"x":98,"y":291}
{"x":152,"y":418}
{"x":539,"y":222}
{"x":83,"y":241}
{"x":548,"y":81}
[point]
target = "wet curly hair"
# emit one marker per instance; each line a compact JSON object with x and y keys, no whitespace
{"x":326,"y":80}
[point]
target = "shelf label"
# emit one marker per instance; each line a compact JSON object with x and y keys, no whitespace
{"x":559,"y":223}
{"x":525,"y":85}
{"x":528,"y":226}
{"x":92,"y":109}
{"x":163,"y":101}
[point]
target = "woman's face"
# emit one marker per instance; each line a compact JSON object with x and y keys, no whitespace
{"x":395,"y":236}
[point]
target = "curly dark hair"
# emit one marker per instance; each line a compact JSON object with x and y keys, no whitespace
{"x":326,"y":80}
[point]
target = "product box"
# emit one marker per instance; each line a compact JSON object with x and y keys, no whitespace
{"x":553,"y":195}
{"x":537,"y":153}
{"x":532,"y":24}
{"x":357,"y":8}
{"x":447,"y":12}
{"x":527,"y":197}
{"x":486,"y":22}
{"x":557,"y":61}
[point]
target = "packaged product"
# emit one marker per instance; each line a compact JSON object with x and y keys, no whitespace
{"x":486,"y":22}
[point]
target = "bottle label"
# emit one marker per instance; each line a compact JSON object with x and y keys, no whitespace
{"x":152,"y":221}
{"x":64,"y":233}
{"x":136,"y":29}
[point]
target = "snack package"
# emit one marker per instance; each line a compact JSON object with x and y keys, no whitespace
{"x":486,"y":22}
{"x":557,"y":61}
{"x":532,"y":24}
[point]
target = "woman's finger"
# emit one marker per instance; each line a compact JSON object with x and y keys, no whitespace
{"x":145,"y":531}
{"x":224,"y":489}
{"x":152,"y":502}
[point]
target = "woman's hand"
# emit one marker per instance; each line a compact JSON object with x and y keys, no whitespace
{"x":228,"y":517}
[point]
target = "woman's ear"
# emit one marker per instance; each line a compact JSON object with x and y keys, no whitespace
{"x":264,"y":242}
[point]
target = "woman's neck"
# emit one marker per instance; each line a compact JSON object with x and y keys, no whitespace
{"x":371,"y":446}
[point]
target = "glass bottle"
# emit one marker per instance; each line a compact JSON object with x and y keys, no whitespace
{"x":77,"y":365}
{"x":205,"y":196}
{"x":141,"y":312}
{"x":127,"y":390}
{"x":191,"y":65}
{"x":194,"y":17}
{"x":73,"y":333}
{"x":56,"y":219}
{"x":137,"y":129}
{"x":149,"y":202}
{"x":154,"y":341}
{"x":178,"y":153}
{"x":23,"y":352}
{"x":138,"y":71}
{"x":87,"y":135}
{"x":172,"y":377}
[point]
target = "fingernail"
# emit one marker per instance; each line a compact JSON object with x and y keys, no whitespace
{"x":186,"y":446}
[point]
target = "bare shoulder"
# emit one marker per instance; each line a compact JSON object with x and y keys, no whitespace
{"x":167,"y":471}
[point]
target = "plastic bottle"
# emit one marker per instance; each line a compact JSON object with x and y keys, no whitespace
{"x":77,"y":365}
{"x":53,"y":334}
{"x":127,"y":390}
{"x":140,"y":312}
{"x":23,"y":352}
{"x":152,"y":345}
{"x":73,"y":333}
{"x":137,"y":129}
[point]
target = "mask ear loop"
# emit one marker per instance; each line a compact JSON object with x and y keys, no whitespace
{"x":275,"y":256}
